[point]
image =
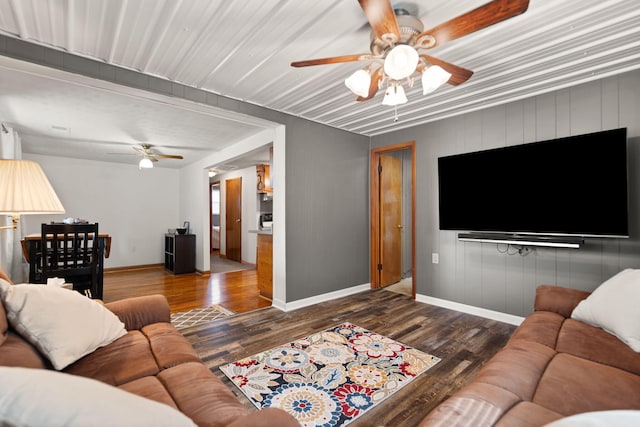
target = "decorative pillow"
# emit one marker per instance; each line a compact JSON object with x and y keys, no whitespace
{"x":613,"y":418}
{"x":39,"y":397}
{"x":64,"y":325}
{"x":613,"y":306}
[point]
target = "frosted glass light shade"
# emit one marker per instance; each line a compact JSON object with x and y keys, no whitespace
{"x":25,"y":189}
{"x":401,"y":62}
{"x":359,"y":83}
{"x":145,"y":163}
{"x":434,"y":77}
{"x":394,"y":95}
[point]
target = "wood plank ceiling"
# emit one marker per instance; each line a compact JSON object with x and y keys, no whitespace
{"x":242,"y":49}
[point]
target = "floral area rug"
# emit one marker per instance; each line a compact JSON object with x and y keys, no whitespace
{"x":329,"y":378}
{"x":199,"y":316}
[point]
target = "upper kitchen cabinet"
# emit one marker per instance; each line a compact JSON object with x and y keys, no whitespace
{"x":264,"y":179}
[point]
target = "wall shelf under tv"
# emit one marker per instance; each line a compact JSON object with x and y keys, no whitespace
{"x":523,"y":239}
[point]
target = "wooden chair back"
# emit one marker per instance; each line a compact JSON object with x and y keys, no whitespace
{"x":70,"y":251}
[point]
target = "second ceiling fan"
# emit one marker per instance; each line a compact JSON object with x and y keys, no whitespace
{"x":398,"y":44}
{"x":149,"y":156}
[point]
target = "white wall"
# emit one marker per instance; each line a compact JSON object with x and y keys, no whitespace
{"x":249,"y":220}
{"x":135,"y":207}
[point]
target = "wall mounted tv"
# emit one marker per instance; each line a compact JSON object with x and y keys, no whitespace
{"x":574,"y":186}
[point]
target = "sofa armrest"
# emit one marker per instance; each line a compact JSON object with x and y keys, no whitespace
{"x":266,"y":417}
{"x":137,"y":312}
{"x":558,"y":299}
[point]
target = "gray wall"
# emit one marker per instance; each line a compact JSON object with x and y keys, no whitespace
{"x":476,"y":273}
{"x":326,"y":177}
{"x":327,"y":209}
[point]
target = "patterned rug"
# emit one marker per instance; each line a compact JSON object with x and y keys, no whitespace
{"x":329,"y":378}
{"x":198,"y":316}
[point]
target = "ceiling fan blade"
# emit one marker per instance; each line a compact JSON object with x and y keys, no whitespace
{"x":373,"y":87}
{"x":140,"y":150}
{"x":168,"y":156}
{"x":333,"y":60}
{"x":477,"y":19}
{"x":459,"y":75}
{"x":382,"y":19}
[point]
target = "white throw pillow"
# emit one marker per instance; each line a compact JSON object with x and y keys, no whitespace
{"x":613,"y":418}
{"x":613,"y":306}
{"x":39,"y":397}
{"x":63,"y":324}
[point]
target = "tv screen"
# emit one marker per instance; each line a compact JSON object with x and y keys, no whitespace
{"x":567,"y":186}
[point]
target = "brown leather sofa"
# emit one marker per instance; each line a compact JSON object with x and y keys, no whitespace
{"x":552,"y":367}
{"x":152,"y":360}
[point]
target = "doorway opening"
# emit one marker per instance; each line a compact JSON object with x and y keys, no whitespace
{"x":393,"y":195}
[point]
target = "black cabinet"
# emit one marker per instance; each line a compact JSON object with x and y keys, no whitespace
{"x":180,"y":253}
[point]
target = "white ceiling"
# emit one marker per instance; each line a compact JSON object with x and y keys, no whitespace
{"x":242,"y":49}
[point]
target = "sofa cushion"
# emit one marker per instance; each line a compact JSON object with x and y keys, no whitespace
{"x":62,"y":324}
{"x":16,"y":351}
{"x":124,"y":360}
{"x":151,"y":388}
{"x":613,"y":306}
{"x":38,"y":396}
{"x":572,"y":385}
{"x":202,"y":395}
{"x":527,"y":414}
{"x":168,"y":345}
{"x":523,"y":361}
{"x":541,"y":327}
{"x":589,"y":342}
{"x":558,"y":299}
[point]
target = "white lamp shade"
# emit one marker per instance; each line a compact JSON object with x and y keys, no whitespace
{"x":434,"y":77}
{"x":401,"y":62}
{"x":394,"y":95}
{"x":359,"y":83}
{"x":25,"y":189}
{"x":145,"y":163}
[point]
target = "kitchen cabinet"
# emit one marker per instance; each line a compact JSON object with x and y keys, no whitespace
{"x":265,"y":265}
{"x":263,"y":179}
{"x":180,"y":253}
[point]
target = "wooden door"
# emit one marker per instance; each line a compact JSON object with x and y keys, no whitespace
{"x":233,"y":227}
{"x":390,"y":179}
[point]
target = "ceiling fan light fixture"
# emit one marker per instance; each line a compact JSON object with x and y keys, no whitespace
{"x":394,"y":95}
{"x":434,"y":77}
{"x":145,"y":163}
{"x":401,"y":62}
{"x":359,"y":83}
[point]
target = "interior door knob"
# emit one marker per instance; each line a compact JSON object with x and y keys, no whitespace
{"x":238,"y":220}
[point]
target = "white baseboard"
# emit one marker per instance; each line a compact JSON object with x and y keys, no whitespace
{"x":305,"y":302}
{"x":470,"y":309}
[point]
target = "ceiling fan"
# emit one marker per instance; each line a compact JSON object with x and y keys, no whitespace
{"x":398,"y":44}
{"x":149,"y":156}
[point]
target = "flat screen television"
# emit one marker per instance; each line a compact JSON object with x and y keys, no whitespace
{"x":574,"y":186}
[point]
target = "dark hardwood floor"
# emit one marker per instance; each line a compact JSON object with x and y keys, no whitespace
{"x":464,"y":342}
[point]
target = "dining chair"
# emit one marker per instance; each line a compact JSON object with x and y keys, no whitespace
{"x":70,"y":251}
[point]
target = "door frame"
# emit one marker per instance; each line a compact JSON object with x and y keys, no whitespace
{"x":211,"y":185}
{"x":375,"y":209}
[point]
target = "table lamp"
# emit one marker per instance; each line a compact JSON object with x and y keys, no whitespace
{"x":24,"y":190}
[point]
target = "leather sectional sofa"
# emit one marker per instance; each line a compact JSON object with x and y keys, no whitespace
{"x":552,"y":367}
{"x":152,"y":360}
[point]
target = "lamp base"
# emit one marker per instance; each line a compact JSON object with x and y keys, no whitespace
{"x":14,"y":219}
